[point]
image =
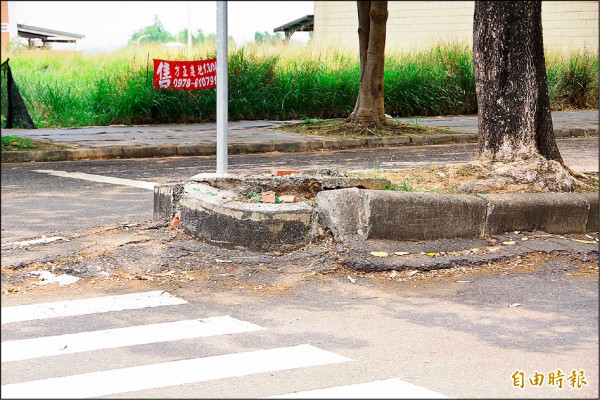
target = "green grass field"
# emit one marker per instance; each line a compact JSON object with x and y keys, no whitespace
{"x":278,"y":82}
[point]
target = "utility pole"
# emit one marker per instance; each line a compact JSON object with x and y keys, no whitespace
{"x":222,"y":94}
{"x":189,"y":38}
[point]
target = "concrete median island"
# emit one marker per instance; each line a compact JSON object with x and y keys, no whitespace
{"x":218,"y":208}
{"x":214,"y":209}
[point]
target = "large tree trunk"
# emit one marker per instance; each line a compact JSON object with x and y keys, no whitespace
{"x":372,"y":20}
{"x":515,"y":122}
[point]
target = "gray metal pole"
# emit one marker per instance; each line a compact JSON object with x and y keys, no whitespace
{"x":189,"y":21}
{"x":222,"y":94}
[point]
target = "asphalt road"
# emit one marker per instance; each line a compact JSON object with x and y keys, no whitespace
{"x":36,"y":204}
{"x":463,"y":336}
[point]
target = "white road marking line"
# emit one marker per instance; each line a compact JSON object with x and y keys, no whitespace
{"x":120,"y":337}
{"x":152,"y":376}
{"x":88,"y":306}
{"x":99,"y":178}
{"x":386,"y":389}
{"x":32,"y":242}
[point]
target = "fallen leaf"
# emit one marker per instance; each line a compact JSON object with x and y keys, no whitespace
{"x":432,"y":254}
{"x":379,"y":253}
{"x":401,"y":253}
{"x":509,"y":243}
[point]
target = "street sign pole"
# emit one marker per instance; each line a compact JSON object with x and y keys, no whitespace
{"x":189,"y":21}
{"x":222,"y":94}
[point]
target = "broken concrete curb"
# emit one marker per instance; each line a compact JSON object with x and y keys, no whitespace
{"x":208,"y":209}
{"x":209,"y":149}
{"x":231,"y":224}
{"x":549,"y":212}
{"x":211,"y":207}
{"x":423,"y":216}
{"x":212,"y":215}
{"x":352,"y":214}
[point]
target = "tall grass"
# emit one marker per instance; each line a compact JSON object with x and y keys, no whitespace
{"x":270,"y":82}
{"x":573,"y":79}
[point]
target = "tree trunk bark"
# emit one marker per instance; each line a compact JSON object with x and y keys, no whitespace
{"x":514,"y":118}
{"x":372,"y":20}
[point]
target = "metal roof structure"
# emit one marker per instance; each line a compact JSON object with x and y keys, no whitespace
{"x":47,"y":35}
{"x":304,"y":24}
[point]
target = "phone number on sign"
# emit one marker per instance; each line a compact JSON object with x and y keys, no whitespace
{"x":196,"y":83}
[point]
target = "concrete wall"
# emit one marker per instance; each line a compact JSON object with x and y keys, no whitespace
{"x":413,"y":24}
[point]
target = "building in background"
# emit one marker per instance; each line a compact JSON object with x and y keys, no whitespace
{"x":303,"y":24}
{"x":568,"y":25}
{"x":8,"y":28}
{"x":43,"y":38}
{"x":32,"y":37}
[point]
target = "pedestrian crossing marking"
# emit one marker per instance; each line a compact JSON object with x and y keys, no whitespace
{"x":167,"y":374}
{"x":17,"y":350}
{"x":88,"y":306}
{"x":152,"y":376}
{"x":385,"y":389}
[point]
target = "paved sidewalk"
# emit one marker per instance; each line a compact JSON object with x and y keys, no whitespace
{"x":248,"y":137}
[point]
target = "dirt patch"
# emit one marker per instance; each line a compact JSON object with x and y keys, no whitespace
{"x":459,"y":178}
{"x":337,"y":128}
{"x":151,"y":256}
{"x":534,"y":175}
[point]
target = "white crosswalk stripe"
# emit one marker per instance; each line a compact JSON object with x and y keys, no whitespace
{"x":88,"y":306}
{"x":152,"y":376}
{"x":39,"y":351}
{"x":111,"y":338}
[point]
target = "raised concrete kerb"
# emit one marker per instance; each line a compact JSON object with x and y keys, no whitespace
{"x":375,"y":214}
{"x":356,"y":214}
{"x":209,"y":149}
{"x":409,"y":216}
{"x":209,"y":208}
{"x":549,"y":212}
{"x":218,"y":219}
{"x":212,"y":215}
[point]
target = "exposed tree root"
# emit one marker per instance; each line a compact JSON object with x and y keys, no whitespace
{"x":532,"y":175}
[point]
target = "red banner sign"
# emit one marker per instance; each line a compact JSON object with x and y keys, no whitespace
{"x":185,"y":75}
